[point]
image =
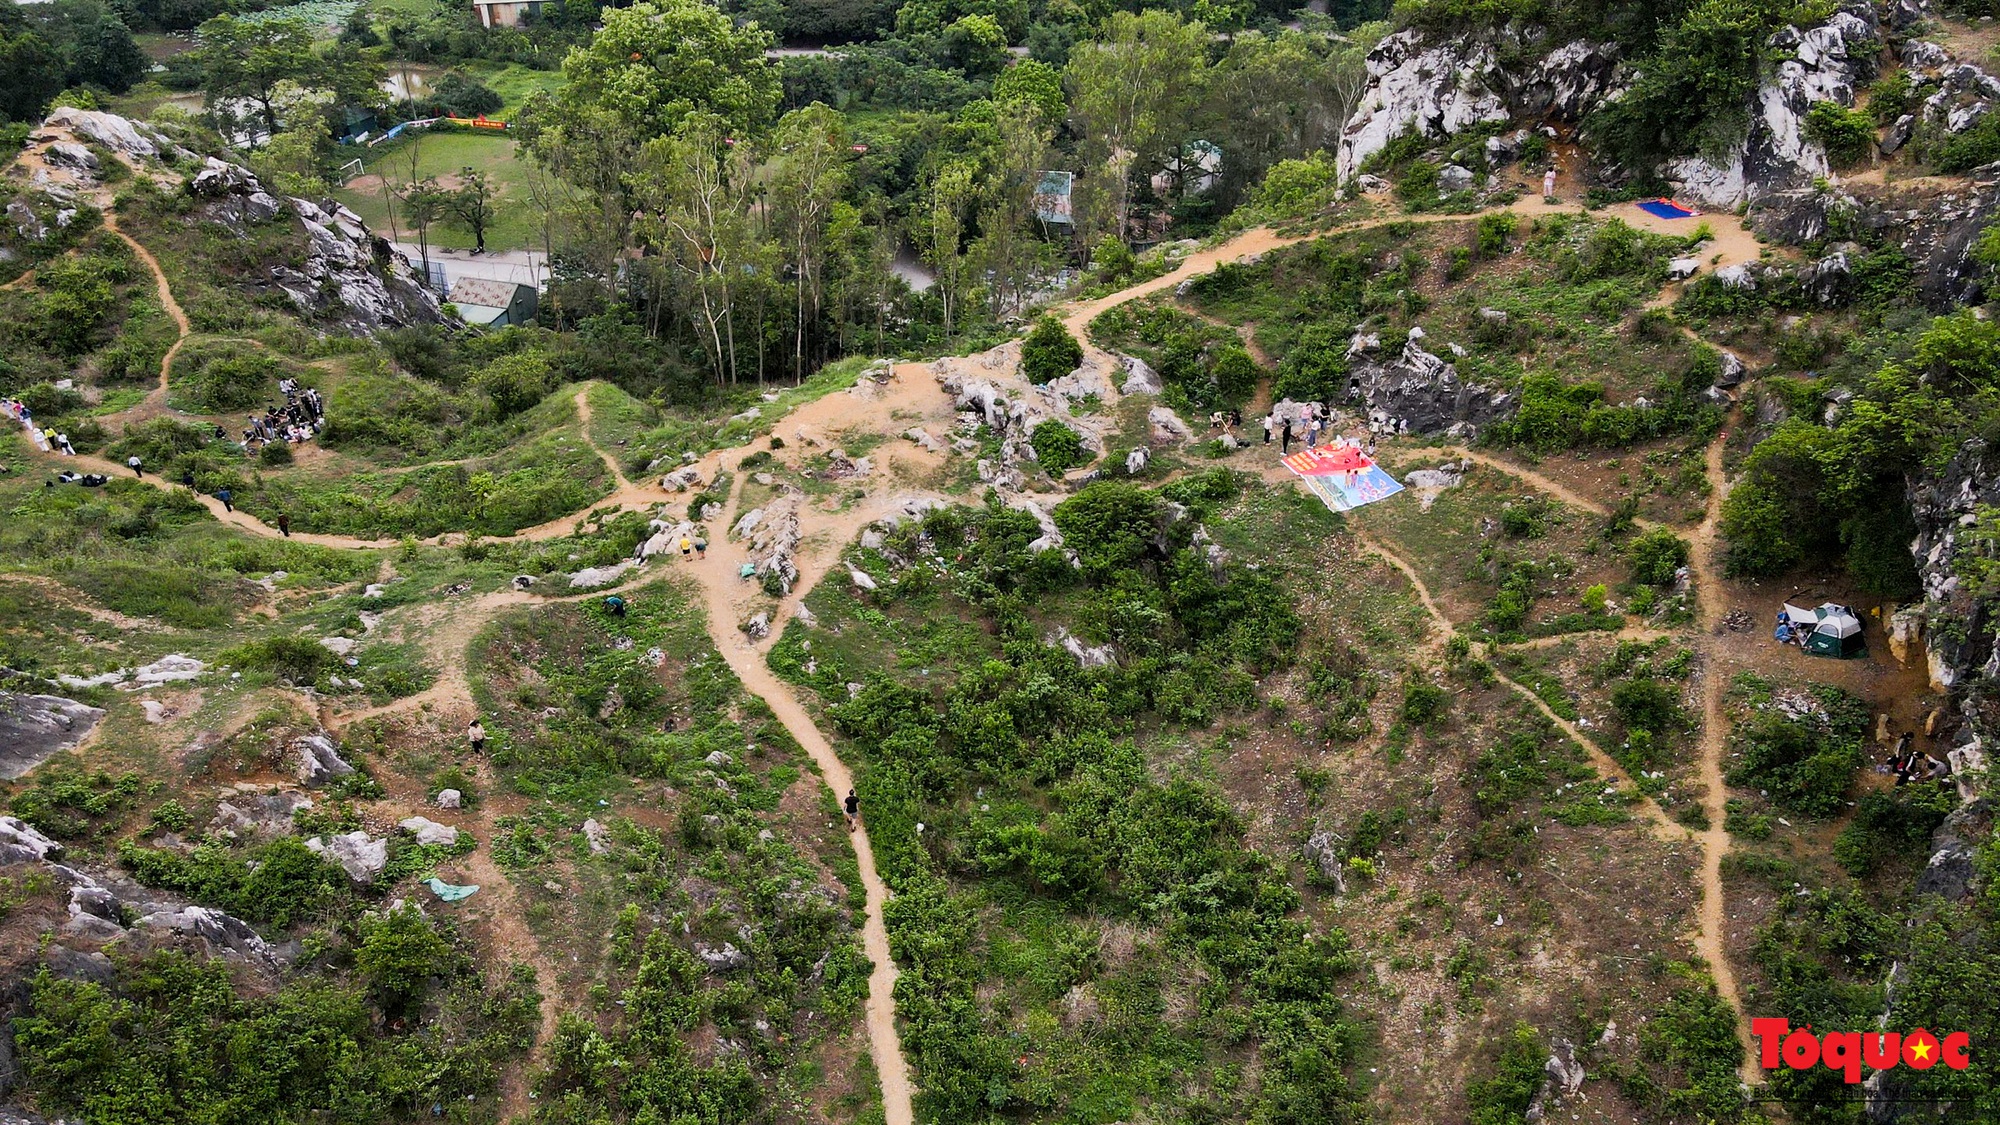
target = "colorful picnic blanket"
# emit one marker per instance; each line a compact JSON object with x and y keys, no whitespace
{"x":1343,"y":477}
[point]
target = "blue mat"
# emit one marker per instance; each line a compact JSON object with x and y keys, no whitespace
{"x":1666,"y":209}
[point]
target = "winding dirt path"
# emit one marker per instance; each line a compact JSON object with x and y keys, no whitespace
{"x":827,"y":530}
{"x":156,"y":399}
{"x":1705,"y":560}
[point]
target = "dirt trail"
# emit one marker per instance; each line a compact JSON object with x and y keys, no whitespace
{"x":1705,"y":561}
{"x":1661,"y":824}
{"x":156,"y":399}
{"x":825,"y":530}
{"x":583,"y":423}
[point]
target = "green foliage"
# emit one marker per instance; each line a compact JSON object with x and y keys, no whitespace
{"x":1424,"y":702}
{"x":226,"y":376}
{"x":1646,"y":704}
{"x":1503,"y":1097}
{"x":1694,"y":1039}
{"x":1058,"y":448}
{"x":1298,"y":188}
{"x":1555,"y":416}
{"x":278,"y":883}
{"x":1893,"y":825}
{"x":398,"y":954}
{"x":1656,"y":556}
{"x":1315,"y":370}
{"x":171,"y":1040}
{"x":1049,"y":351}
{"x":1804,"y":766}
{"x":1847,"y":135}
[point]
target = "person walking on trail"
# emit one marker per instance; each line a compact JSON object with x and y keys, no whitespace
{"x":616,"y":605}
{"x":1549,"y":184}
{"x":700,"y":547}
{"x":135,"y":465}
{"x":225,"y":496}
{"x":853,"y":805}
{"x":1267,"y":429}
{"x":476,"y":734}
{"x":1286,"y":445}
{"x":62,"y":440}
{"x":284,"y":525}
{"x":687,"y":546}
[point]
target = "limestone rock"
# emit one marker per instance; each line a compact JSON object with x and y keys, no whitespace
{"x":723,"y":960}
{"x":429,"y":831}
{"x":450,"y":799}
{"x":597,"y":836}
{"x":758,"y":627}
{"x":1140,"y":379}
{"x":861,"y":579}
{"x":260,"y":814}
{"x":592,"y":577}
{"x":1323,"y":851}
{"x":168,"y":669}
{"x":360,"y":855}
{"x":33,"y":727}
{"x":319,"y":760}
{"x":21,"y":842}
{"x":1167,"y":427}
{"x":223,"y":931}
{"x":1136,"y":461}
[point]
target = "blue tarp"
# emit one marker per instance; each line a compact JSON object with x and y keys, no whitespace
{"x":1667,"y":209}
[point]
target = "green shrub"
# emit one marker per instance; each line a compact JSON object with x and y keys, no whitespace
{"x":226,"y":376}
{"x":1646,"y":704}
{"x":1058,"y":448}
{"x":301,"y":660}
{"x":277,"y":883}
{"x":1503,"y":1097}
{"x":275,"y":455}
{"x":398,"y":954}
{"x":1847,"y":135}
{"x":1803,"y":769}
{"x":1656,"y":556}
{"x":1049,"y":352}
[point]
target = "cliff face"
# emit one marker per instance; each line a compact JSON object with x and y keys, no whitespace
{"x":337,"y":274}
{"x":1436,"y":87}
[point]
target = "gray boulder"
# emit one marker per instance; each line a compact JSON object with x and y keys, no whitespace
{"x":429,"y":831}
{"x":33,"y":727}
{"x":1323,"y":851}
{"x":21,"y":842}
{"x":319,"y":760}
{"x":360,"y":855}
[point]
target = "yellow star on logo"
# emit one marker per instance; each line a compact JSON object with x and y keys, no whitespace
{"x":1921,"y":1049}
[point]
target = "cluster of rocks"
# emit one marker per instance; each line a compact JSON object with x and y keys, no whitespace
{"x":773,"y":534}
{"x":351,"y":280}
{"x":1821,"y":63}
{"x":1935,"y":225}
{"x":104,"y":908}
{"x":1413,"y":390}
{"x":993,"y":396}
{"x":1436,"y":88}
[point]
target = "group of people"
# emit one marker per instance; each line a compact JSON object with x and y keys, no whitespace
{"x":1315,"y":421}
{"x":1910,"y":764}
{"x":44,"y":437}
{"x":300,"y":420}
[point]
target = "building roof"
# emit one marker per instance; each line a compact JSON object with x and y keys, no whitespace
{"x":483,"y":291}
{"x":481,"y":315}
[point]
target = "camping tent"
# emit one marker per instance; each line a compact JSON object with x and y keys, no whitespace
{"x":1830,"y":630}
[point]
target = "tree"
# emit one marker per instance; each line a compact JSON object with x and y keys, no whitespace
{"x":1008,"y":250}
{"x":1132,"y":91}
{"x":471,"y":206}
{"x":693,"y":191}
{"x":294,"y":160}
{"x":34,"y":69}
{"x":947,"y":194}
{"x":1049,"y":352}
{"x":1036,"y":83}
{"x":810,"y":152}
{"x":398,"y":954}
{"x":424,"y":203}
{"x":660,"y":61}
{"x":977,"y":45}
{"x":95,"y":45}
{"x":245,"y":59}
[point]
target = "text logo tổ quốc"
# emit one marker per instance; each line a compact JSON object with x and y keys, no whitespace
{"x":1781,"y":1044}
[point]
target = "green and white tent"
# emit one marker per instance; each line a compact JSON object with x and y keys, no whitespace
{"x":1830,"y":630}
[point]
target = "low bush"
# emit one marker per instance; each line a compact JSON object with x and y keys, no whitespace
{"x":1049,"y":351}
